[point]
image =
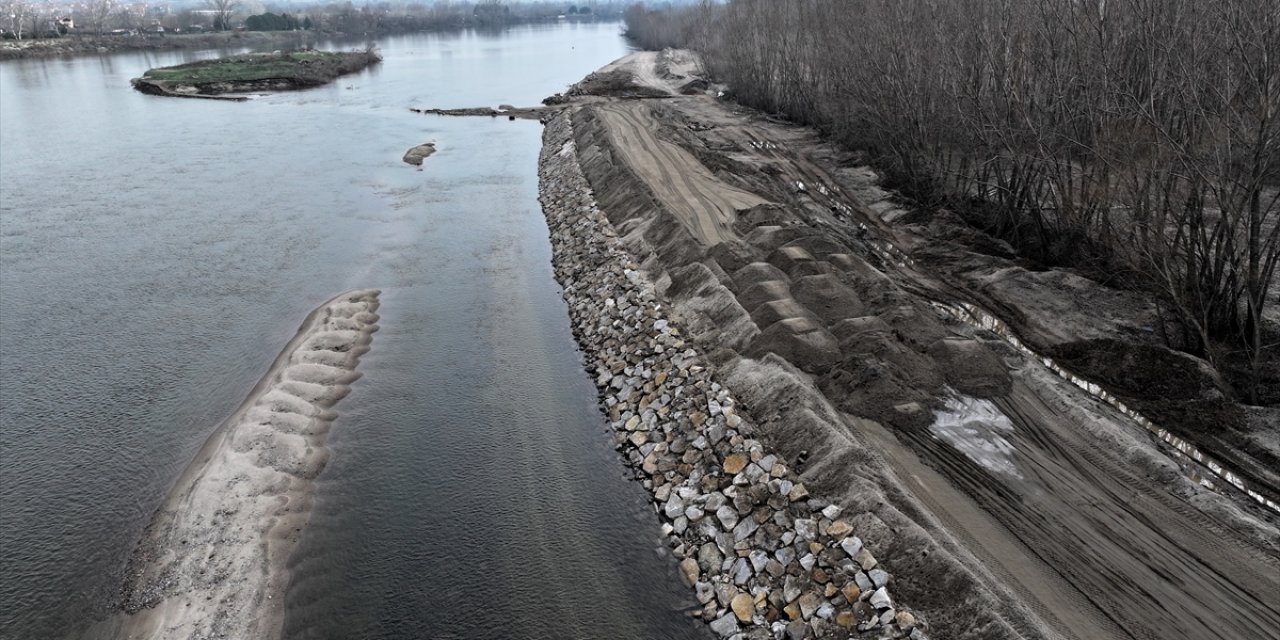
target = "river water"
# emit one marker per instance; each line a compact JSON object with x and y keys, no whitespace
{"x":155,"y":255}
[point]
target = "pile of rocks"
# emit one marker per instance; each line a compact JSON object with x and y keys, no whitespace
{"x":765,"y":558}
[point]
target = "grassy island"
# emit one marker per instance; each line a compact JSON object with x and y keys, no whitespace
{"x":253,"y":73}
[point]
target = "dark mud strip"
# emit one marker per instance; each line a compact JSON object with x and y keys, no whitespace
{"x":151,"y":88}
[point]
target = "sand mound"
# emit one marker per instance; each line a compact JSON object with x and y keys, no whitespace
{"x":212,"y":562}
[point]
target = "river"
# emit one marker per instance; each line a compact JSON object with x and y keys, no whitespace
{"x":156,"y":254}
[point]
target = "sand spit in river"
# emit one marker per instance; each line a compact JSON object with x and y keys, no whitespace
{"x":212,"y":562}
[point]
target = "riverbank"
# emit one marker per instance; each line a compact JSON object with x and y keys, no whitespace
{"x":212,"y":562}
{"x":969,"y":466}
{"x":763,"y":556}
{"x":82,"y":45}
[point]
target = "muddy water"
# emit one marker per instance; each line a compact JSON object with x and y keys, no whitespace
{"x":156,"y":254}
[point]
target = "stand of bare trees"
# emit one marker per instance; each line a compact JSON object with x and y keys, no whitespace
{"x":223,"y":10}
{"x":1140,"y":136}
{"x":98,"y":11}
{"x":25,"y":20}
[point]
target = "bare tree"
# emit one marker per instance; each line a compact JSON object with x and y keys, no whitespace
{"x":223,"y":10}
{"x":99,"y":12}
{"x":18,"y":14}
{"x":38,"y":20}
{"x":1133,"y":137}
{"x":127,"y":17}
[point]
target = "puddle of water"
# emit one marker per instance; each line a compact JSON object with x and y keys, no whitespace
{"x":975,"y":427}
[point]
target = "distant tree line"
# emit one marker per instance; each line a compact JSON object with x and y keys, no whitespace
{"x":275,"y":22}
{"x":388,"y":17}
{"x":1134,"y":137}
{"x":669,"y":27}
{"x":26,"y":19}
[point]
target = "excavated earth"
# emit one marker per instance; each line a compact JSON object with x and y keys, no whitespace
{"x":1005,"y":499}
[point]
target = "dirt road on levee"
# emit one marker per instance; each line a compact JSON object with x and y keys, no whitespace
{"x":1007,"y":500}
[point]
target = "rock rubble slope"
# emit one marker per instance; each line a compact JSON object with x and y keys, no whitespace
{"x":764,"y":557}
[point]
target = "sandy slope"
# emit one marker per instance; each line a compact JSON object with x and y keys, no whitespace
{"x":706,"y":205}
{"x":1058,"y":505}
{"x":212,"y":562}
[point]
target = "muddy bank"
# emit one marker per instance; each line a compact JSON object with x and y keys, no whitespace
{"x":505,"y":111}
{"x":997,"y":491}
{"x":212,"y":562}
{"x":151,"y":88}
{"x":795,"y":421}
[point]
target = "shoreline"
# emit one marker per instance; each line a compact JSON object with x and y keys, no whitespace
{"x":763,"y":556}
{"x":75,"y":46}
{"x":807,"y":309}
{"x":219,"y":543}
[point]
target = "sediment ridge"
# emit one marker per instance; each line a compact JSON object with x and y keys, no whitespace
{"x":212,"y":562}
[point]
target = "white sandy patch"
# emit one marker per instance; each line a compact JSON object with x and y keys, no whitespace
{"x":974,"y":427}
{"x":212,"y":563}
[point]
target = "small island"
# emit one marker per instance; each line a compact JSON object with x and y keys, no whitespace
{"x":223,"y":78}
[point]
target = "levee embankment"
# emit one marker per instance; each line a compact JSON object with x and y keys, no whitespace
{"x":1004,"y":500}
{"x":764,"y":555}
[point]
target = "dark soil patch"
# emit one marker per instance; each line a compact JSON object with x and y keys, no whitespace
{"x":1174,"y":390}
{"x":1139,"y":370}
{"x":1181,"y":394}
{"x":614,"y":84}
{"x":694,"y":87}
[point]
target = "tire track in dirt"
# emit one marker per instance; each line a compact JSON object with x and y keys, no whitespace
{"x":1158,"y":567}
{"x":1163,"y":569}
{"x":1058,"y":603}
{"x":652,"y":153}
{"x":1146,"y":564}
{"x":706,"y":205}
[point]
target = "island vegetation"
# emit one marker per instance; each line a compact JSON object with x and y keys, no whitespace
{"x":254,"y":73}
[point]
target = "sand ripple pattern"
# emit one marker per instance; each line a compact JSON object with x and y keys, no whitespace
{"x":212,"y":562}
